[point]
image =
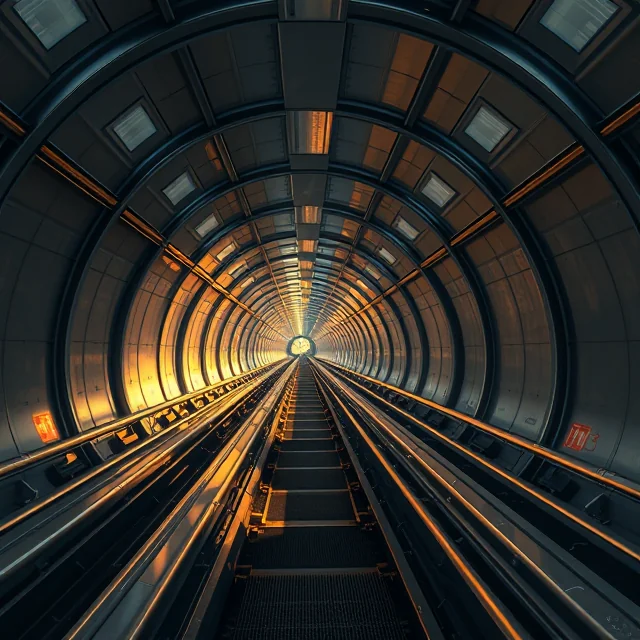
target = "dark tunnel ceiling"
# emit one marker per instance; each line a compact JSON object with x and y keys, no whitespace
{"x":442,"y":195}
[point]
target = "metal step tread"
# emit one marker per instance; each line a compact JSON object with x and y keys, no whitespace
{"x":302,"y":459}
{"x":312,"y":548}
{"x":292,"y":479}
{"x":308,"y":445}
{"x":284,"y":507}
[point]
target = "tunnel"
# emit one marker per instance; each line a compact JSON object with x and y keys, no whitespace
{"x":398,"y":239}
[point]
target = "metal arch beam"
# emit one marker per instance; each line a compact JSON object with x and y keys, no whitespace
{"x":422,"y":336}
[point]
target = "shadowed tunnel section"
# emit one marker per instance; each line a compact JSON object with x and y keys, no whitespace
{"x":445,"y":200}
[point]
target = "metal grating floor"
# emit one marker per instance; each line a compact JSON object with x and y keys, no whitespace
{"x":317,"y":607}
{"x":313,"y":569}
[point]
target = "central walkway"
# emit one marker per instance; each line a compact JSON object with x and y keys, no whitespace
{"x":313,"y":570}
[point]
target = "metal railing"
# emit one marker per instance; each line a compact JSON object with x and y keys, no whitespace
{"x":38,"y":456}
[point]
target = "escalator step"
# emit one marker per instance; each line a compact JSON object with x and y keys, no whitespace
{"x":312,"y":424}
{"x":292,"y":479}
{"x":307,"y":445}
{"x":320,"y":607}
{"x":312,"y":548}
{"x":284,"y":507}
{"x":308,"y":459}
{"x":305,"y":434}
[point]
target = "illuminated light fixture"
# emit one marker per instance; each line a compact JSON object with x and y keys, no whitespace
{"x":487,"y":129}
{"x":50,"y":20}
{"x":180,"y":188}
{"x":308,"y":215}
{"x":437,"y":190}
{"x":207,"y":225}
{"x":306,"y":264}
{"x":374,"y":273}
{"x":577,"y":22}
{"x":247,"y":282}
{"x":226,"y":252}
{"x":134,"y":127}
{"x":387,"y":256}
{"x":310,"y":132}
{"x":405,"y":228}
{"x":237,"y":268}
{"x":307,"y":246}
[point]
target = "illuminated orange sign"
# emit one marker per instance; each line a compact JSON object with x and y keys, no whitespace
{"x":577,"y":437}
{"x":46,"y":427}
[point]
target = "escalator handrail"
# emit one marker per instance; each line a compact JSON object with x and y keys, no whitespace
{"x":38,"y":456}
{"x":628,"y":487}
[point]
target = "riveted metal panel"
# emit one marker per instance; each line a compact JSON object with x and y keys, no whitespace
{"x":509,"y":385}
{"x":601,"y":397}
{"x":311,"y":54}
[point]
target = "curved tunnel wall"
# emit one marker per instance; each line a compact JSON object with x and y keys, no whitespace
{"x":527,"y":323}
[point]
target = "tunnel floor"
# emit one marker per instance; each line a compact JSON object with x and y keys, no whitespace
{"x":313,"y":572}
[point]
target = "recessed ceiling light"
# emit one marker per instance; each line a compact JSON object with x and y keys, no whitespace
{"x":387,"y":256}
{"x":247,"y":282}
{"x":50,"y":20}
{"x":406,"y":229}
{"x":578,"y":21}
{"x":134,"y":127}
{"x":226,"y":251}
{"x":437,"y":190}
{"x":309,"y":131}
{"x":308,"y":214}
{"x":237,"y":268}
{"x":307,"y":246}
{"x":487,"y":129}
{"x":207,"y":225}
{"x":180,"y":188}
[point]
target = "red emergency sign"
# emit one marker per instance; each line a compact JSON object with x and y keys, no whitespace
{"x":577,"y":437}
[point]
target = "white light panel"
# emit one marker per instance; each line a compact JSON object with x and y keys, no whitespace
{"x":50,"y":20}
{"x":226,"y":252}
{"x":487,"y":129}
{"x":134,"y":128}
{"x":438,"y":191}
{"x":207,"y":225}
{"x":180,"y":188}
{"x":387,"y":256}
{"x":405,"y":228}
{"x":578,"y":21}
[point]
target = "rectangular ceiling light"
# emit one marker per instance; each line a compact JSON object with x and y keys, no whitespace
{"x":487,"y":129}
{"x":247,"y":282}
{"x":207,"y":225}
{"x":308,"y":215}
{"x":309,"y":131}
{"x":180,"y":188}
{"x":307,"y":246}
{"x":437,"y":190}
{"x":406,"y":229}
{"x":237,"y":268}
{"x":306,"y":264}
{"x":134,"y":127}
{"x":387,"y":256}
{"x":50,"y":20}
{"x":226,"y":252}
{"x":578,"y":21}
{"x":373,"y":272}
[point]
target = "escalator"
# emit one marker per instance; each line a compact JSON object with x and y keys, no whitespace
{"x":316,"y":565}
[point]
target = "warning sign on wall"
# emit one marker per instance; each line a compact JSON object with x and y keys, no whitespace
{"x":578,"y":436}
{"x":46,"y":427}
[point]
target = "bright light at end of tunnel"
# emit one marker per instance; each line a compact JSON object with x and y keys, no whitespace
{"x":300,"y":346}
